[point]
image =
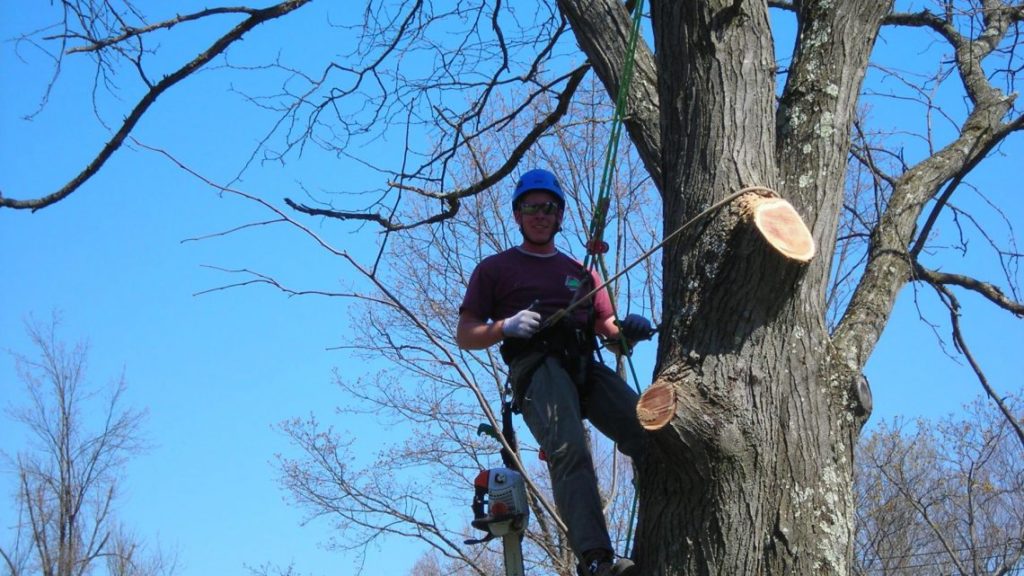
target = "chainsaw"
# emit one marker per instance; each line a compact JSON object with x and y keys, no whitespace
{"x":500,"y":509}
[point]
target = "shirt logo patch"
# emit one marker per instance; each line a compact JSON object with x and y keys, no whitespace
{"x":572,"y":283}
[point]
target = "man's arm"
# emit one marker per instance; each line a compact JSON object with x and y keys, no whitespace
{"x":634,"y":328}
{"x":473,"y":333}
{"x":607,"y":327}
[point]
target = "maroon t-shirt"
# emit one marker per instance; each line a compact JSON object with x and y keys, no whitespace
{"x":510,"y":281}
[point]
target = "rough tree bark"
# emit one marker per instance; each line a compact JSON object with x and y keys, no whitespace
{"x":752,"y":474}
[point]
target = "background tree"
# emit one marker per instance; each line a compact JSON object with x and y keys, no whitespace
{"x":69,"y":476}
{"x":751,"y":471}
{"x":942,"y":497}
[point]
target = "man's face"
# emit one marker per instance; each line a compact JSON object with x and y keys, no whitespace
{"x":532,"y":214}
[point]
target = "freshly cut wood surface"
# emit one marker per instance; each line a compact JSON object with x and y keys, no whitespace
{"x":656,"y":407}
{"x":783,"y":228}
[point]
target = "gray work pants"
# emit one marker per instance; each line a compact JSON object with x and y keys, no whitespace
{"x":551,"y":409}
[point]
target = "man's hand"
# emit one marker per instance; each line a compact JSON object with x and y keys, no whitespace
{"x":635,"y":327}
{"x":523,"y":324}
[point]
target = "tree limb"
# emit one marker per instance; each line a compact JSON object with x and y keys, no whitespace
{"x":889,"y":264}
{"x":990,"y":291}
{"x":942,"y":200}
{"x":954,"y":317}
{"x":602,"y":28}
{"x":256,"y":18}
{"x":95,"y":45}
{"x":452,"y":198}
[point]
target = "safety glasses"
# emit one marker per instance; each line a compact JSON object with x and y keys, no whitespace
{"x":530,"y":208}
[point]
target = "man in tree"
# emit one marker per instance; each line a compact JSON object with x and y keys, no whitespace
{"x":555,"y":380}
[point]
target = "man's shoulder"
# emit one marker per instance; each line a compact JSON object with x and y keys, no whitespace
{"x":505,"y":254}
{"x":500,"y":259}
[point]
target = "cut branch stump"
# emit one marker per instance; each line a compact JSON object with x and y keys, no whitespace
{"x":780,"y":226}
{"x":656,"y":406}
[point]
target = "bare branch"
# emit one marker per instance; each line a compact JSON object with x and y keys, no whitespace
{"x":256,"y":18}
{"x":452,"y":198}
{"x":990,"y":291}
{"x":958,"y":337}
{"x":265,"y":279}
{"x":938,"y":282}
{"x":955,"y":181}
{"x":95,"y":45}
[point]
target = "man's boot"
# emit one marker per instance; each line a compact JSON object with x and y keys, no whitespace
{"x":602,"y":563}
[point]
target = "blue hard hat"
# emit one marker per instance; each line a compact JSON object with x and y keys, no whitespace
{"x":538,"y":180}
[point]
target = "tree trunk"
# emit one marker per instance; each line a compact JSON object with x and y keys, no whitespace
{"x":752,"y":473}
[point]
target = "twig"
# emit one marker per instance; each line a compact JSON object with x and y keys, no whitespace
{"x":954,"y":316}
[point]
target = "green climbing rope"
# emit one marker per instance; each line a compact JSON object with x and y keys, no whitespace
{"x":595,"y":241}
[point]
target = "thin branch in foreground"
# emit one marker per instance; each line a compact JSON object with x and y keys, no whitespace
{"x":947,"y":296}
{"x":132,"y":119}
{"x":232,"y":230}
{"x":451,"y":199}
{"x":271,"y":281}
{"x":132,"y":32}
{"x":391,"y":300}
{"x":990,"y":291}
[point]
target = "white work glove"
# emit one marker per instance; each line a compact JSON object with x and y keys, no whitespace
{"x":522,"y":324}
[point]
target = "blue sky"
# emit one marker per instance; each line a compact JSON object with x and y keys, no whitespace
{"x":217,"y":372}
